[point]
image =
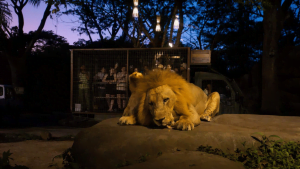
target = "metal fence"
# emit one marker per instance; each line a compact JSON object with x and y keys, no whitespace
{"x":99,"y":77}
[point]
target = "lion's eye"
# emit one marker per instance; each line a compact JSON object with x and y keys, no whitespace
{"x":166,"y":99}
{"x":151,"y":103}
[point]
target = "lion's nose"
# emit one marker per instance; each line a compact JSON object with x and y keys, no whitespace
{"x":160,"y":120}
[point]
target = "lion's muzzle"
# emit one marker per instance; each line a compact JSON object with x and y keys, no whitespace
{"x":160,"y":121}
{"x":163,"y":121}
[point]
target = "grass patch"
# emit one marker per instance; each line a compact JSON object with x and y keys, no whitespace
{"x":271,"y":154}
{"x":17,"y":137}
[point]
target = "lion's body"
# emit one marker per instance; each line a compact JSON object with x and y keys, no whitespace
{"x":164,"y":98}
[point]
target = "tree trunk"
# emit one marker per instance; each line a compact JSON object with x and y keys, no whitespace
{"x":273,"y":24}
{"x":18,"y":71}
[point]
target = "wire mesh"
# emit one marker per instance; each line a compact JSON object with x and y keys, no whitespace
{"x":99,"y":77}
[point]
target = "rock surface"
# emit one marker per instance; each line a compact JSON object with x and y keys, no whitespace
{"x":188,"y":159}
{"x":46,"y":135}
{"x":107,"y":144}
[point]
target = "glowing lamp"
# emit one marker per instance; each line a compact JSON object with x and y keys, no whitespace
{"x":135,"y":13}
{"x":176,"y":22}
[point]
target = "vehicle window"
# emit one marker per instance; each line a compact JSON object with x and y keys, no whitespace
{"x":1,"y":91}
{"x":8,"y":93}
{"x":219,"y":86}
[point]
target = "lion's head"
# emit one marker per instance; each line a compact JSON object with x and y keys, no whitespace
{"x":161,"y":101}
{"x":164,"y":90}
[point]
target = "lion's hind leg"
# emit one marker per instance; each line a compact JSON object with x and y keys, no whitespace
{"x":212,"y":106}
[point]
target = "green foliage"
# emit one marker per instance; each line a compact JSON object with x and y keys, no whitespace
{"x":4,"y":161}
{"x":271,"y":153}
{"x":68,"y":160}
{"x":143,"y":158}
{"x":259,"y":4}
{"x":123,"y":163}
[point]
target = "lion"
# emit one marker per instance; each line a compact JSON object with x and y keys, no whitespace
{"x":163,"y":98}
{"x":133,"y":102}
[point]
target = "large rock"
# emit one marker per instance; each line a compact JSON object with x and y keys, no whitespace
{"x":107,"y":144}
{"x":188,"y":159}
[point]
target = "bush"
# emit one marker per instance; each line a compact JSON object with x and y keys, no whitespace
{"x":4,"y":162}
{"x":275,"y":154}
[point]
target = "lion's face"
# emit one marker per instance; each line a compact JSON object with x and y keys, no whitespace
{"x":161,"y":101}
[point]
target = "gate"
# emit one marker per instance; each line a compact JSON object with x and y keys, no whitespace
{"x":99,"y":77}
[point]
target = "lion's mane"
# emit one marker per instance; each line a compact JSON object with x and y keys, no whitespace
{"x":158,"y":78}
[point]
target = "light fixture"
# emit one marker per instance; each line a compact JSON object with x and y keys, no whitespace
{"x":158,"y":18}
{"x":176,"y":22}
{"x":175,"y":57}
{"x":157,"y":28}
{"x":135,"y":13}
{"x":135,"y":2}
{"x":171,"y":44}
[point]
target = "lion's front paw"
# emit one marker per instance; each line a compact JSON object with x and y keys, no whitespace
{"x":127,"y":120}
{"x":184,"y":124}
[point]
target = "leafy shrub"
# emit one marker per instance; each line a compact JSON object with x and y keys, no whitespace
{"x":68,"y":160}
{"x":275,"y":154}
{"x":4,"y":161}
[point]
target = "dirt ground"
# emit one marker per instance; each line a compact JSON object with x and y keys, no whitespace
{"x":36,"y":154}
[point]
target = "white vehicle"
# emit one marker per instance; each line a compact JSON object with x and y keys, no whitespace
{"x":8,"y":100}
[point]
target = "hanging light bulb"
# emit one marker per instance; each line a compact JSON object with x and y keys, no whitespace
{"x":176,"y":22}
{"x":158,"y":18}
{"x":158,"y":29}
{"x":135,"y":13}
{"x":170,"y":43}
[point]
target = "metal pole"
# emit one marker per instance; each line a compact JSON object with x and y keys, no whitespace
{"x":188,"y":65}
{"x":127,"y":81}
{"x":71,"y":83}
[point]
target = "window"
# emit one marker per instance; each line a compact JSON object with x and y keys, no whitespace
{"x":1,"y":91}
{"x":219,"y":86}
{"x":8,"y":93}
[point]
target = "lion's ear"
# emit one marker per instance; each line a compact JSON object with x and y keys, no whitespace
{"x":133,"y":81}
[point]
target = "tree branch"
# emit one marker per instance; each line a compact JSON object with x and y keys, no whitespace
{"x":179,"y":32}
{"x":165,"y":32}
{"x":40,"y":28}
{"x":173,"y":19}
{"x":286,"y":5}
